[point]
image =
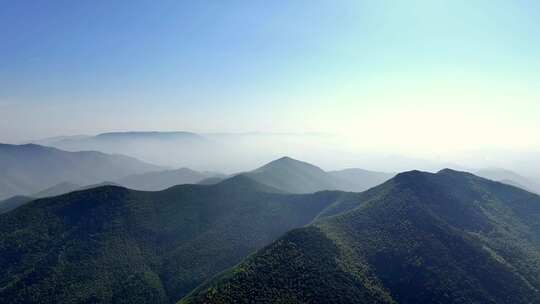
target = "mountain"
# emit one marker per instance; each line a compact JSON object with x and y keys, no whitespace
{"x":159,"y":180}
{"x":13,"y":202}
{"x":164,"y":148}
{"x":449,"y":237}
{"x":294,"y":176}
{"x":27,"y":169}
{"x":510,"y":178}
{"x":115,"y":245}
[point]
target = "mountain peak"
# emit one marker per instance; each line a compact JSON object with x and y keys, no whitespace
{"x":287,"y":161}
{"x":451,"y":171}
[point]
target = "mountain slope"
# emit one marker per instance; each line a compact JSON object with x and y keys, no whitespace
{"x":13,"y":202}
{"x":449,"y":237}
{"x":26,"y":169}
{"x":159,"y":180}
{"x":111,"y":244}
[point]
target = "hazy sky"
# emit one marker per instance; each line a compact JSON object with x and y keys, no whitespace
{"x":411,"y":76}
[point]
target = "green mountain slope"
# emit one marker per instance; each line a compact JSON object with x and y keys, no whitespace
{"x":115,"y":245}
{"x":449,"y":237}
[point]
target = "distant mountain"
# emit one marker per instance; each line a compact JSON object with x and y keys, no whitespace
{"x":510,"y":178}
{"x":13,"y":202}
{"x":58,"y":189}
{"x":160,"y":180}
{"x":114,"y":245}
{"x":27,"y":169}
{"x":163,"y":148}
{"x":211,"y":181}
{"x":449,"y":237}
{"x":359,"y":180}
{"x":294,"y":176}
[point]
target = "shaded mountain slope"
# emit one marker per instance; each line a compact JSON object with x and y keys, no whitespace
{"x":449,"y":237}
{"x":27,"y":169}
{"x":13,"y":202}
{"x":359,"y":180}
{"x":111,"y":244}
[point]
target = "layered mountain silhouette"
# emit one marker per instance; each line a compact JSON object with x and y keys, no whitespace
{"x":510,"y":178}
{"x":27,"y":169}
{"x":114,"y":245}
{"x":164,"y":148}
{"x":294,"y":176}
{"x":449,"y":237}
{"x":160,"y":180}
{"x":57,"y":189}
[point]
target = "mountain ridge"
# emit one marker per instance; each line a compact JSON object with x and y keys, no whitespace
{"x":449,"y":237}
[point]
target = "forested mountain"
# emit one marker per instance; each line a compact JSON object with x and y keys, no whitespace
{"x":449,"y":237}
{"x":114,"y":245}
{"x":27,"y":169}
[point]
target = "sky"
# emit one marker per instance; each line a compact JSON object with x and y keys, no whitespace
{"x":422,"y":78}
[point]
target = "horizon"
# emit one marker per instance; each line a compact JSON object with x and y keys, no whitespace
{"x":445,"y":81}
{"x":420,"y":78}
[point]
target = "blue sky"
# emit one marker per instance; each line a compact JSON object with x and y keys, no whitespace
{"x":343,"y":67}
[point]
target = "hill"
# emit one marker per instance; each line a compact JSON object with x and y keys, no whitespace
{"x":27,"y":169}
{"x":115,"y":245}
{"x":449,"y":237}
{"x":294,"y":176}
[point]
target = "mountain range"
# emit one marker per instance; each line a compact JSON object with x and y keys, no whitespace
{"x":271,"y":236}
{"x":110,"y":244}
{"x":449,"y":237}
{"x":27,"y":169}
